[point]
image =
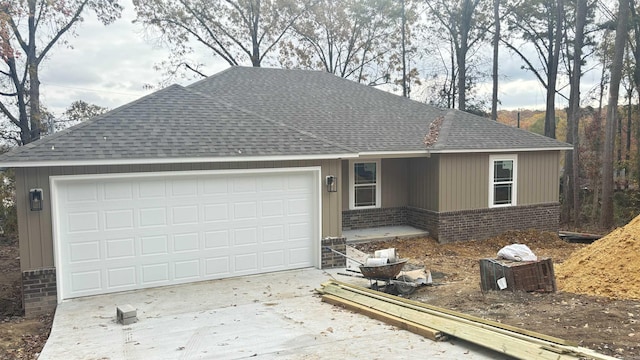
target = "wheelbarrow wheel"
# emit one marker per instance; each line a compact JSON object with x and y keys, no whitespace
{"x":404,"y":285}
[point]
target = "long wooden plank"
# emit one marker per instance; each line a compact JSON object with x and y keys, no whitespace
{"x":550,"y":345}
{"x":500,"y":340}
{"x":410,"y":326}
{"x":457,"y":314}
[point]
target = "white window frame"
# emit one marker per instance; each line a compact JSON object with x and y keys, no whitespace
{"x":352,"y":186}
{"x":514,"y":183}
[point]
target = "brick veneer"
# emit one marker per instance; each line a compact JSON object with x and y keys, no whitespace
{"x":459,"y":225}
{"x":331,"y":259}
{"x":39,"y":291}
{"x":485,"y":223}
{"x":359,"y":219}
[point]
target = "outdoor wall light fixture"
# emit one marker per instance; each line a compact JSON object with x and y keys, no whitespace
{"x":35,"y":199}
{"x":332,"y":183}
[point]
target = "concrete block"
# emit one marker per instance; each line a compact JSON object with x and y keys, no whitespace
{"x":126,"y":314}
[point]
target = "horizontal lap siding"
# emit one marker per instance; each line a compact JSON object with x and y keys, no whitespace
{"x":35,"y":228}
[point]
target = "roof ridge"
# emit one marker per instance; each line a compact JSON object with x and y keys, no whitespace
{"x":265,"y":118}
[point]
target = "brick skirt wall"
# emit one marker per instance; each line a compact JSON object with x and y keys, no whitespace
{"x":459,"y":225}
{"x":39,"y":293}
{"x":329,"y":258}
{"x":360,"y":219}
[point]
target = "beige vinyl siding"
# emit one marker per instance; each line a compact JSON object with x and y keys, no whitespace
{"x":36,"y":242}
{"x":464,"y":182}
{"x":538,"y":177}
{"x":423,"y":182}
{"x":394,"y":179}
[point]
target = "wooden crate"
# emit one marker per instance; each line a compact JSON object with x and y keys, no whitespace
{"x":519,"y":275}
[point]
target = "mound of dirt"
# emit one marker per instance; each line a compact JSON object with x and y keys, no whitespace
{"x":609,"y":267}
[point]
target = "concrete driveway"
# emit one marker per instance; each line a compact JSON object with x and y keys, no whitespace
{"x":267,"y":316}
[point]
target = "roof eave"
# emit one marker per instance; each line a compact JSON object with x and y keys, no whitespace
{"x":505,"y":150}
{"x":190,"y":160}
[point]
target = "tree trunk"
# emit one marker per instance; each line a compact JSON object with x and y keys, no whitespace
{"x":34,"y":80}
{"x":496,"y":41}
{"x":574,"y":98}
{"x":606,"y":215}
{"x":405,"y":93}
{"x":550,"y":115}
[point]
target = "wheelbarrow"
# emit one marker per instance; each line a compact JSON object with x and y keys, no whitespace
{"x":384,"y":277}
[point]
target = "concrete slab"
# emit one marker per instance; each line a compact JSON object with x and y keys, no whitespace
{"x":269,"y":316}
{"x":383,"y":233}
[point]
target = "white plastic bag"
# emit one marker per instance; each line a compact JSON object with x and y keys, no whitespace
{"x":517,"y":252}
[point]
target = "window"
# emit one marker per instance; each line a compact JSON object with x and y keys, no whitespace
{"x":365,"y":185}
{"x":503,"y":180}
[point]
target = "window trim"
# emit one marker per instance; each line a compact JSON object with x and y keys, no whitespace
{"x":352,"y":193}
{"x":514,"y":182}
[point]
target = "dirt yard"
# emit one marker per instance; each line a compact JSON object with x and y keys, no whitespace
{"x":609,"y":326}
{"x":20,"y":338}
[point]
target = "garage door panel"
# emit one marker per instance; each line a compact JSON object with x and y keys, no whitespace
{"x":184,"y":188}
{"x":127,"y":233}
{"x":217,"y":266}
{"x":246,"y":263}
{"x":247,"y":210}
{"x":216,"y":239}
{"x":182,"y":215}
{"x":84,"y":251}
{"x":121,"y":277}
{"x":154,"y":245}
{"x":187,"y":269}
{"x":82,"y":222}
{"x":186,"y":242}
{"x":118,"y":219}
{"x":152,"y":274}
{"x":153,"y":217}
{"x":120,"y":248}
{"x":117,"y":191}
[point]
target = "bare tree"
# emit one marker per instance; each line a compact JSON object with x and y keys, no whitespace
{"x":496,"y":49}
{"x":28,"y":31}
{"x":539,"y":23}
{"x":237,"y":31}
{"x":466,"y":23}
{"x":353,"y":39}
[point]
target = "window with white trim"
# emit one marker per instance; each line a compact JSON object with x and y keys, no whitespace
{"x":503,"y":180}
{"x":364,"y":178}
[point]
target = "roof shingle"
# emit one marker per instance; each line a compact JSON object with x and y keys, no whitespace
{"x":253,"y":112}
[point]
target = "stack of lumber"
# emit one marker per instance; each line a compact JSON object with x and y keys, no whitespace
{"x":438,"y":323}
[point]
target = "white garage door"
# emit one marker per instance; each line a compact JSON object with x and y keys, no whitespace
{"x":123,"y":233}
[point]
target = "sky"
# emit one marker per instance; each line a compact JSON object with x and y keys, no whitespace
{"x":110,"y":66}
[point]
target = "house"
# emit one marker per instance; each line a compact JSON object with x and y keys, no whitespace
{"x":246,"y":171}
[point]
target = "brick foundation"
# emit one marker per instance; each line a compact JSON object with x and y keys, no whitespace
{"x":360,"y":219}
{"x":331,"y":259}
{"x":39,"y":293}
{"x":460,"y":225}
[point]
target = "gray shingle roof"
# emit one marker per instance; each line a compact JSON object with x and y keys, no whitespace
{"x":256,"y":112}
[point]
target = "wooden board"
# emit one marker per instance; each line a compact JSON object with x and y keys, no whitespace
{"x":415,"y":328}
{"x":475,"y":330}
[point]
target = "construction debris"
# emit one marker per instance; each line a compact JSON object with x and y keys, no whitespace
{"x":438,"y":323}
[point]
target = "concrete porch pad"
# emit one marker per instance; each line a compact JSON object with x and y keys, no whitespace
{"x":270,"y":316}
{"x":383,"y":233}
